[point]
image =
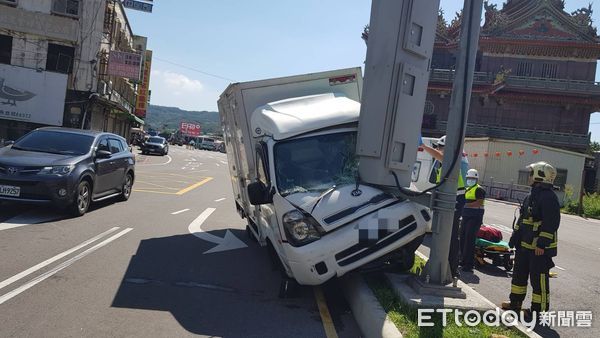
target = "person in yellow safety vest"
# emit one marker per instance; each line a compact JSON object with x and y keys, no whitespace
{"x":438,"y":154}
{"x":535,"y":239}
{"x":472,"y":218}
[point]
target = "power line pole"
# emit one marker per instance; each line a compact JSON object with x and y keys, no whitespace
{"x":444,"y":198}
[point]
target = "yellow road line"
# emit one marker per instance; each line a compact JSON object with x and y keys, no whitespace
{"x":157,"y":185}
{"x":325,"y":315}
{"x":193,"y":186}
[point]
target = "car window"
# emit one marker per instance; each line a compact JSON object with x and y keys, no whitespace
{"x":115,"y":146}
{"x":103,"y":145}
{"x":56,"y":142}
{"x":124,"y":145}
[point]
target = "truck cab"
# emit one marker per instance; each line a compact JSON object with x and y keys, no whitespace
{"x":295,"y":177}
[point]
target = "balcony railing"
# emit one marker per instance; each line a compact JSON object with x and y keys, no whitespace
{"x":557,"y":139}
{"x":524,"y":82}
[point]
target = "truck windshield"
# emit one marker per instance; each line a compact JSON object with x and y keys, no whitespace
{"x":315,"y":164}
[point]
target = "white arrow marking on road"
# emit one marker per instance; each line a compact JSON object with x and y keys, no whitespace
{"x":229,"y":242}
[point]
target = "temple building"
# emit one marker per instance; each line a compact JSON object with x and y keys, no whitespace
{"x":535,"y":75}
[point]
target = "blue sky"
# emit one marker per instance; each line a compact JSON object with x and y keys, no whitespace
{"x":248,"y":40}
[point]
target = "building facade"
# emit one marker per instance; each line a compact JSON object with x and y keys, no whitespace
{"x":535,"y":75}
{"x":56,"y":52}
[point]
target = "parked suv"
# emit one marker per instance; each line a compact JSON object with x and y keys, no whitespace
{"x":69,"y":168}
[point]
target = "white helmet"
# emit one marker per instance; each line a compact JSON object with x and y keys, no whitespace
{"x":542,"y":172}
{"x":441,"y":141}
{"x":473,"y":173}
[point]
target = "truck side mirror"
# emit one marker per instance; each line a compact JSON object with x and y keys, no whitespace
{"x":259,"y":194}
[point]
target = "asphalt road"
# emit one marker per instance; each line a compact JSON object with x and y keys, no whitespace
{"x":576,"y":286}
{"x":141,"y":268}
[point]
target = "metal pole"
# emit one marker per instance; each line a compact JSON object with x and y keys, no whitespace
{"x":444,"y":198}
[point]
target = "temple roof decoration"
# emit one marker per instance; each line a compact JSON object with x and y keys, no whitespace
{"x":528,"y":20}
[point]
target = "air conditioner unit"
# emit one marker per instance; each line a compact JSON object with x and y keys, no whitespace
{"x":104,"y":88}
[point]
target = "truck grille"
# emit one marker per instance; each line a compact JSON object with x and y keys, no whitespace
{"x":360,"y":251}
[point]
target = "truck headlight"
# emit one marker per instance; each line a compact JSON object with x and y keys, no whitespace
{"x":60,"y":170}
{"x":300,"y":229}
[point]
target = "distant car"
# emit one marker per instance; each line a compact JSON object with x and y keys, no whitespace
{"x":206,"y":143}
{"x":69,"y":168}
{"x":155,"y":145}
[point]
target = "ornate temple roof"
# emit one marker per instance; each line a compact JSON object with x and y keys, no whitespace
{"x":539,"y":20}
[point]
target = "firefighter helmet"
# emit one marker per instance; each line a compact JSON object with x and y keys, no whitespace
{"x":473,"y":173}
{"x":542,"y":172}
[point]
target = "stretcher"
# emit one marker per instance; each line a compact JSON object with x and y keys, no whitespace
{"x":498,"y":252}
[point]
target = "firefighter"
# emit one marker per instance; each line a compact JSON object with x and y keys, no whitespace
{"x":535,"y":240}
{"x":472,"y":218}
{"x":438,"y":154}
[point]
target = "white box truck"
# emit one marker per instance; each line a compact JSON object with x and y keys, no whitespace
{"x":291,"y":146}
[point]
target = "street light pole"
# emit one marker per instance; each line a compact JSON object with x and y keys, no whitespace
{"x":444,"y":198}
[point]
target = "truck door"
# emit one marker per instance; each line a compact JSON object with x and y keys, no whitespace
{"x":264,"y":213}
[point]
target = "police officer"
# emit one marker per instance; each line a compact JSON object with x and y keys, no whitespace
{"x":438,"y":155}
{"x":535,"y":240}
{"x":472,"y":218}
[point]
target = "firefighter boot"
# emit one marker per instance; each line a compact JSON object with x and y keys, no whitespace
{"x":511,"y":306}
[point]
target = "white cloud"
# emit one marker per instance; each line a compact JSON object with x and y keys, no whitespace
{"x":179,"y":90}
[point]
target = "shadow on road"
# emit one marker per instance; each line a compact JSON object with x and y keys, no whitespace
{"x":226,"y":294}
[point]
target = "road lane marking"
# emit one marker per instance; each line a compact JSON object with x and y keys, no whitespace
{"x":229,"y":242}
{"x":153,"y":191}
{"x":32,"y":269}
{"x":154,"y":164}
{"x":559,"y":268}
{"x":325,"y":314}
{"x":28,"y":218}
{"x":223,"y":162}
{"x":217,"y":164}
{"x":179,"y":212}
{"x":4,"y":298}
{"x":157,"y":185}
{"x":193,"y":186}
{"x":220,"y":199}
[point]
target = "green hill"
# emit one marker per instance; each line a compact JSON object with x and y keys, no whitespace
{"x":168,"y":118}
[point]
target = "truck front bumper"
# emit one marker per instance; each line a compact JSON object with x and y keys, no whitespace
{"x":347,"y":247}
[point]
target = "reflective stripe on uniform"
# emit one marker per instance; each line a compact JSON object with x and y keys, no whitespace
{"x":546,"y":235}
{"x":544,"y":295}
{"x":518,"y":290}
{"x":535,"y":298}
{"x":528,"y":246}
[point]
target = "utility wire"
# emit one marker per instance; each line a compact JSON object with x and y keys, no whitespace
{"x":194,"y":69}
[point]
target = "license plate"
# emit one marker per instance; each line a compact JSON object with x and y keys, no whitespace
{"x":9,"y":190}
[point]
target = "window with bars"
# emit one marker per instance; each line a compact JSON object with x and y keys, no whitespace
{"x":525,"y":69}
{"x":5,"y":49}
{"x":561,"y":178}
{"x":66,"y":7}
{"x":60,"y":58}
{"x":549,"y":70}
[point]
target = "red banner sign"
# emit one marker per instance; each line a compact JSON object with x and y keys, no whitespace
{"x":143,"y":94}
{"x":190,"y":129}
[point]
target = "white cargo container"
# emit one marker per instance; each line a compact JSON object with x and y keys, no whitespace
{"x":291,"y":146}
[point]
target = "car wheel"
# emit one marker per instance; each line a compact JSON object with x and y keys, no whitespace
{"x":127,"y":187}
{"x":83,"y":198}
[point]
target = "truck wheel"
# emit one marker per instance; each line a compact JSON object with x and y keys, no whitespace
{"x":288,"y":288}
{"x":407,"y":261}
{"x":83,"y":198}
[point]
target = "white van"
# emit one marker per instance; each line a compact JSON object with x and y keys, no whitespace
{"x":291,"y":153}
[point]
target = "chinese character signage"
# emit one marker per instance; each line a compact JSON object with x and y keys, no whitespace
{"x":144,"y":87}
{"x":123,"y":64}
{"x":138,"y":5}
{"x":190,"y":129}
{"x":33,"y":96}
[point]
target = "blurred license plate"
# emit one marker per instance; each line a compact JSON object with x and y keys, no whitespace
{"x":9,"y":190}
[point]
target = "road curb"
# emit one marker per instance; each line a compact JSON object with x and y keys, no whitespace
{"x":368,"y":312}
